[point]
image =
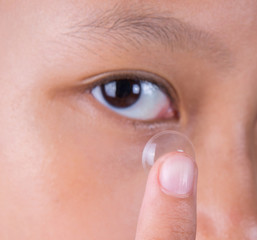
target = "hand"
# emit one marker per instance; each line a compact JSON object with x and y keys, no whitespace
{"x":168,"y":211}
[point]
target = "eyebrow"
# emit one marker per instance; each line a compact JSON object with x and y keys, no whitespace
{"x":119,"y":27}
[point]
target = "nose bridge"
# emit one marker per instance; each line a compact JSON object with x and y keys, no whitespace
{"x":224,"y":139}
{"x":226,"y":185}
{"x":225,"y":155}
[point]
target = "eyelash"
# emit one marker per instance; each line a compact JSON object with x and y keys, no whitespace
{"x":141,"y":76}
{"x":109,"y":77}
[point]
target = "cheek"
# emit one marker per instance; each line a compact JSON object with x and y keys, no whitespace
{"x":93,"y":170}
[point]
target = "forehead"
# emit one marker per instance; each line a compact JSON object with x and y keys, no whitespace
{"x":233,"y":22}
{"x":223,"y":17}
{"x":218,"y":10}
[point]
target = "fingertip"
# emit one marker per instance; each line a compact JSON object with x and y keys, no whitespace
{"x":177,"y":173}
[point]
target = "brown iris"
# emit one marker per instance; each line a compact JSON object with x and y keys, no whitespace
{"x":121,"y":93}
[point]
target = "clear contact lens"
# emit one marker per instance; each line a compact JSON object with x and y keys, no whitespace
{"x":163,"y":143}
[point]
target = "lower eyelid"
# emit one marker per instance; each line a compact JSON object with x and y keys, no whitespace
{"x":91,"y":108}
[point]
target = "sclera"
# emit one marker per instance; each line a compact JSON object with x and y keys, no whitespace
{"x":166,"y":142}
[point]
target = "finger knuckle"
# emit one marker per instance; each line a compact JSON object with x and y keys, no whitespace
{"x":183,"y":229}
{"x":178,"y":228}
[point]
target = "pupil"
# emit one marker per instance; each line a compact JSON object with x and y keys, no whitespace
{"x":121,"y":93}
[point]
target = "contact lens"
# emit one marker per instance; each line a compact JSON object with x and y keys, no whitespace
{"x":163,"y":143}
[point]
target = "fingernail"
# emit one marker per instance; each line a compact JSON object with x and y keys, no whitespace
{"x":176,"y":175}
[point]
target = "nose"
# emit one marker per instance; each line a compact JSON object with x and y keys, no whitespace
{"x":227,"y":202}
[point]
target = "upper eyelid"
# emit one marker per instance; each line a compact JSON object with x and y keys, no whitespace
{"x":102,"y":78}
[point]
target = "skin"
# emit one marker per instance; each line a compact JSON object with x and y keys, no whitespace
{"x":71,"y":168}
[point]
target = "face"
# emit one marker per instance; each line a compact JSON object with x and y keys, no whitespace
{"x":85,"y":84}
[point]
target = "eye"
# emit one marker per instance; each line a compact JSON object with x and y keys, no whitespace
{"x":135,"y":97}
